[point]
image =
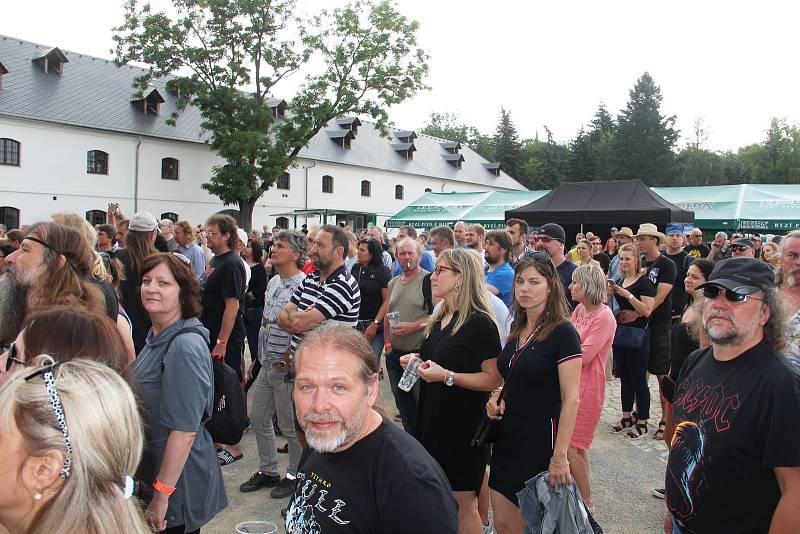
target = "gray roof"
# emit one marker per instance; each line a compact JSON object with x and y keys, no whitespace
{"x":94,"y":93}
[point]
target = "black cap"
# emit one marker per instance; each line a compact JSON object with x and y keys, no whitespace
{"x":743,"y":243}
{"x":742,"y":275}
{"x":553,"y":230}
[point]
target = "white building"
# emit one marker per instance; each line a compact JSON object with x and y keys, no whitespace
{"x":73,"y":139}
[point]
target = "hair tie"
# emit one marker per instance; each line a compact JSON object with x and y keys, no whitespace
{"x":128,"y":486}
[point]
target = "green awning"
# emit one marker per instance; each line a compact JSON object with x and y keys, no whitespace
{"x":714,"y":207}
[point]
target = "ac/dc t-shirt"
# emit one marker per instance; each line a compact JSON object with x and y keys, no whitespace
{"x":222,"y":279}
{"x":735,"y":421}
{"x":662,"y":271}
{"x":385,"y":483}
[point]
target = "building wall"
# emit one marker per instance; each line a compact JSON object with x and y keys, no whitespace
{"x":52,"y":177}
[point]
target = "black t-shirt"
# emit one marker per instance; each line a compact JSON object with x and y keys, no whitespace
{"x":697,"y":251}
{"x":735,"y":421}
{"x":371,"y":279}
{"x":222,"y":279}
{"x":131,"y":300}
{"x":565,"y":275}
{"x":603,"y":260}
{"x":662,"y":271}
{"x":642,"y":287}
{"x":257,"y":285}
{"x":681,"y":261}
{"x":385,"y":483}
{"x":448,"y":416}
{"x":110,"y":296}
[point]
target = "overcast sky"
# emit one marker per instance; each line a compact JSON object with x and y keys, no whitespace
{"x":550,"y":63}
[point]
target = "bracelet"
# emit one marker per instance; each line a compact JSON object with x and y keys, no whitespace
{"x":220,"y":342}
{"x":554,"y":464}
{"x":163,"y":488}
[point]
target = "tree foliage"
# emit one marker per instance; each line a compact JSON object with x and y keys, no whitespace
{"x":356,"y":60}
{"x":448,"y":126}
{"x":507,"y":145}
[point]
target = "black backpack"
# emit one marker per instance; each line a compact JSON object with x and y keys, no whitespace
{"x":427,"y":294}
{"x":227,"y":423}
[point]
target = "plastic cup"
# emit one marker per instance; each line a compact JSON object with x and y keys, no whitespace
{"x":394,"y":318}
{"x":256,"y":527}
{"x":410,"y":375}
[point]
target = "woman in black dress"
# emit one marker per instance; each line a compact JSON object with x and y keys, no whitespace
{"x":373,"y":283}
{"x":256,"y":289}
{"x":635,"y":294}
{"x":541,"y":364}
{"x":459,"y":368}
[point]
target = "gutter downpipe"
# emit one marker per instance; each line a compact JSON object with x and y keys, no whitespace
{"x":136,"y":177}
{"x":306,"y":203}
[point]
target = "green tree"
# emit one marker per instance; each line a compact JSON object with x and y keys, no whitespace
{"x":449,"y":126}
{"x":645,"y":137}
{"x":552,"y":160}
{"x":580,"y":164}
{"x":507,"y":145}
{"x":357,"y":60}
{"x":698,"y":167}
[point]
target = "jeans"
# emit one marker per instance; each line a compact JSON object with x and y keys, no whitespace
{"x":252,"y":324}
{"x":270,"y":394}
{"x":406,"y":402}
{"x":377,"y":342}
{"x":631,"y":367}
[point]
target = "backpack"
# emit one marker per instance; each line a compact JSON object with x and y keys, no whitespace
{"x":427,"y":294}
{"x":228,"y":421}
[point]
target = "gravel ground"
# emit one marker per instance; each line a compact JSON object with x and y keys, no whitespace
{"x":623,"y":472}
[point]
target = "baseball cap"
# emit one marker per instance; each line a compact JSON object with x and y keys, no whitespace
{"x":143,"y":221}
{"x":614,"y":229}
{"x":743,"y":243}
{"x":242,"y":235}
{"x":553,"y":230}
{"x":741,"y":275}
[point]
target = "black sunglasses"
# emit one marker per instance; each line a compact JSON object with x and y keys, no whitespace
{"x":712,"y":292}
{"x":12,"y":357}
{"x":738,"y":248}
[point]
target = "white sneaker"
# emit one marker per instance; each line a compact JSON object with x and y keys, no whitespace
{"x":488,"y":529}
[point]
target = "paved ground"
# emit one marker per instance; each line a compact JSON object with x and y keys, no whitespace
{"x":623,"y":472}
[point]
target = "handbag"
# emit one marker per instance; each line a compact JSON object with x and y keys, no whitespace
{"x":629,"y":337}
{"x":489,"y":429}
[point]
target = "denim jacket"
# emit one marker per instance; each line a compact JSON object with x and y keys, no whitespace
{"x":550,"y":510}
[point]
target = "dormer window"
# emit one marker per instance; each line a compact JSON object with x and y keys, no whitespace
{"x":149,"y":101}
{"x":341,"y":137}
{"x":278,"y":107}
{"x":492,"y":167}
{"x":405,"y":149}
{"x":452,"y":147}
{"x":454,"y":159}
{"x":3,"y":71}
{"x":349,"y":123}
{"x":51,"y":59}
{"x":405,"y":136}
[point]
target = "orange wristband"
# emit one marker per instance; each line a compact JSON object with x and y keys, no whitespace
{"x":163,"y":488}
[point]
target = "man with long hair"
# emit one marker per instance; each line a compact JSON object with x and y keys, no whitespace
{"x":740,"y":397}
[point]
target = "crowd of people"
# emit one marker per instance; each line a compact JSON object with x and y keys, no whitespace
{"x":497,"y":346}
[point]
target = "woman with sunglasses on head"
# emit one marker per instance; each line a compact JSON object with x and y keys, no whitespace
{"x":541,"y":365}
{"x":72,"y":438}
{"x":176,"y":381}
{"x":459,"y":367}
{"x":635,"y":294}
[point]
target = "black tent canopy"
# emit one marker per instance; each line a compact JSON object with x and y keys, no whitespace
{"x":616,"y":202}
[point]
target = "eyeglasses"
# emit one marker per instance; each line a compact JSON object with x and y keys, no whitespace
{"x":439,"y":268}
{"x":544,"y":238}
{"x":712,"y":292}
{"x":738,"y":248}
{"x":48,"y":375}
{"x":12,"y":357}
{"x":209,"y":233}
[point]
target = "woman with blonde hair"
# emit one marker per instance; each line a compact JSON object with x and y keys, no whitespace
{"x":73,"y":438}
{"x":596,"y":326}
{"x":541,"y":366}
{"x":459,"y":367}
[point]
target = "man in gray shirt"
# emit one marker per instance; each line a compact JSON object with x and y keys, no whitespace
{"x":270,"y":391}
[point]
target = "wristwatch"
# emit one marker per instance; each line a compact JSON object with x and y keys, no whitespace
{"x":450,"y":378}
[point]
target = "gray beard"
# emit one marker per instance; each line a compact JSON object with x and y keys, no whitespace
{"x":13,"y":306}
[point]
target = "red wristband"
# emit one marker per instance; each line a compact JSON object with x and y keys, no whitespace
{"x":163,"y":488}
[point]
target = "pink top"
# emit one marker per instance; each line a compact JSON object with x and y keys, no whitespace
{"x":596,"y":331}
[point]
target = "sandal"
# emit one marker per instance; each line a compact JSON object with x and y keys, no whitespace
{"x":624,"y":423}
{"x":659,"y":434}
{"x":226,"y":458}
{"x":634,"y":417}
{"x":638,"y":431}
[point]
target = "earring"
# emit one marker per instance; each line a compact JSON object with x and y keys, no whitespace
{"x":38,"y":495}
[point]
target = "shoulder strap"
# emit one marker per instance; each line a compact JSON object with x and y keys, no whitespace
{"x":517,"y":354}
{"x":427,"y":293}
{"x":187,"y":330}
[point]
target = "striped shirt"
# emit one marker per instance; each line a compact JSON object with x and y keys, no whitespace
{"x":337,"y":299}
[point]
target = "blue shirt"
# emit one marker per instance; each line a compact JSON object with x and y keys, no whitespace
{"x":502,"y":278}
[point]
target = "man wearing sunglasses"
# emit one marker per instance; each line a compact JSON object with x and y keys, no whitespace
{"x":734,"y":465}
{"x":743,"y":248}
{"x":551,"y":240}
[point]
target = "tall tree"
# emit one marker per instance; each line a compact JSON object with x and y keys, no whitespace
{"x":507,"y":145}
{"x":551,"y":163}
{"x":645,"y":137}
{"x":357,"y":60}
{"x":580,"y":164}
{"x":449,"y":126}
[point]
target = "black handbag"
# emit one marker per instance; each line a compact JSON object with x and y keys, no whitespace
{"x":629,"y":337}
{"x":489,"y":429}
